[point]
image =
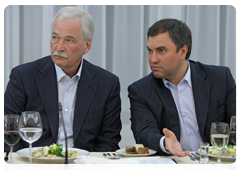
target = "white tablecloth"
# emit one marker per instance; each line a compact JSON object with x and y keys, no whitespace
{"x":184,"y":162}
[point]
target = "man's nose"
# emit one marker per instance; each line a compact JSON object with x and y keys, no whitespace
{"x":154,"y":58}
{"x":60,"y":45}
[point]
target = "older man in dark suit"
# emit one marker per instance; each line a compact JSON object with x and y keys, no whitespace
{"x":89,"y":94}
{"x":173,"y":107}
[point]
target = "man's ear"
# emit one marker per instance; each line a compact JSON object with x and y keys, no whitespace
{"x":88,"y":45}
{"x":184,"y":51}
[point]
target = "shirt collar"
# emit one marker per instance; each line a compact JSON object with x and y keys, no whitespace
{"x":186,"y":78}
{"x":60,"y":73}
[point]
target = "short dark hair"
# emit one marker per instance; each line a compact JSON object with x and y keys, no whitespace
{"x":178,"y":31}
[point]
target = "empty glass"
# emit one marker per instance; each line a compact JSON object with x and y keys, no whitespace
{"x":30,"y":128}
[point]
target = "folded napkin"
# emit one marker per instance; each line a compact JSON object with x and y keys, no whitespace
{"x":93,"y":163}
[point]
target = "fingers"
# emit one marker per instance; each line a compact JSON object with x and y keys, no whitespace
{"x":180,"y":153}
{"x":169,"y":134}
{"x":166,"y":132}
{"x":174,"y":146}
{"x":186,"y":153}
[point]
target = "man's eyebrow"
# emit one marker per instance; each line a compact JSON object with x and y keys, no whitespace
{"x":161,"y":47}
{"x":71,"y":37}
{"x":54,"y":33}
{"x":148,"y":48}
{"x":158,"y":48}
{"x":68,"y":36}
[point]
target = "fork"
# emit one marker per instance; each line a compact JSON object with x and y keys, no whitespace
{"x":195,"y":156}
{"x":109,"y":156}
{"x":191,"y":157}
{"x":115,"y":156}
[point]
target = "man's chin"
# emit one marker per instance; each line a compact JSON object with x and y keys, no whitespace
{"x":58,"y":62}
{"x":158,"y":75}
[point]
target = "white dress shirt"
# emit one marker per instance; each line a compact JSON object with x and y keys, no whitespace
{"x":67,"y":89}
{"x":190,"y":137}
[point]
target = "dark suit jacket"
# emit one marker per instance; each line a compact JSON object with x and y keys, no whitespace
{"x":96,"y":124}
{"x":153,"y":107}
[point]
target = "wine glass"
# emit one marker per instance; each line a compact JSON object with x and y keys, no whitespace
{"x":219,"y":136}
{"x":30,"y":128}
{"x":233,"y":129}
{"x":11,"y":135}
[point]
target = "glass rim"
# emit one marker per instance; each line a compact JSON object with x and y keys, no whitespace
{"x":11,"y":115}
{"x":204,"y":143}
{"x":30,"y":112}
{"x":219,"y":123}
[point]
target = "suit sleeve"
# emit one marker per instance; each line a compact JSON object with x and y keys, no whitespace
{"x":230,"y":101}
{"x":14,"y":100}
{"x":144,"y":124}
{"x":109,"y":135}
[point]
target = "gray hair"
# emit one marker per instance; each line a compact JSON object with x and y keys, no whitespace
{"x":85,"y":20}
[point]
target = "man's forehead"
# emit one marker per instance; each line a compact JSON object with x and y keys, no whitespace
{"x":160,"y":41}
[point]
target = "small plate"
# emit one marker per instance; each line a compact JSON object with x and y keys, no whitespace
{"x":123,"y":152}
{"x":25,"y":153}
{"x":223,"y":158}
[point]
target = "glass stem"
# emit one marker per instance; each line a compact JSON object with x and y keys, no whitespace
{"x":219,"y":156}
{"x":11,"y":150}
{"x":30,"y":153}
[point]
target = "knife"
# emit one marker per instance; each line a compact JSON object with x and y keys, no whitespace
{"x":191,"y":157}
{"x":195,"y":156}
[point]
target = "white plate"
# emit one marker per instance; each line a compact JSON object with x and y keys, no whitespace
{"x":25,"y":153}
{"x":123,"y":152}
{"x":223,"y":158}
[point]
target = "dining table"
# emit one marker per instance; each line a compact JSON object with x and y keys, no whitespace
{"x":184,"y":163}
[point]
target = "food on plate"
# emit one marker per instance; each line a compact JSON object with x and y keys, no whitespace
{"x":138,"y":146}
{"x":130,"y":150}
{"x":137,"y":149}
{"x":143,"y":150}
{"x":54,"y":151}
{"x":226,"y":152}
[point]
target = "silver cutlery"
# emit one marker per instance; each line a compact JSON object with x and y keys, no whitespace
{"x":6,"y":157}
{"x":195,"y":156}
{"x":197,"y":153}
{"x":115,"y":156}
{"x":104,"y":154}
{"x":109,"y":156}
{"x":191,"y":157}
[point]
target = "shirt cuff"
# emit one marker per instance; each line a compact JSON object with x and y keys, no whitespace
{"x":161,"y":144}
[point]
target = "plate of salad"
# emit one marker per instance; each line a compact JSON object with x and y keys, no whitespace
{"x":54,"y":153}
{"x":227,"y":154}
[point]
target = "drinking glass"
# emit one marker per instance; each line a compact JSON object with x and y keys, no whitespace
{"x":30,"y":128}
{"x":11,"y":135}
{"x":233,"y":129}
{"x":219,"y":136}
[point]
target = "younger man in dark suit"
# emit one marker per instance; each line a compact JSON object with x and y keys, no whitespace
{"x":89,"y":94}
{"x":173,"y":107}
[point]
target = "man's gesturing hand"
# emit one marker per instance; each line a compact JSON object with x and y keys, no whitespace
{"x":172,"y":144}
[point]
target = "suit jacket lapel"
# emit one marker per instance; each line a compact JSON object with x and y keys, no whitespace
{"x":171,"y":112}
{"x":201,"y":91}
{"x":48,"y":91}
{"x":87,"y":87}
